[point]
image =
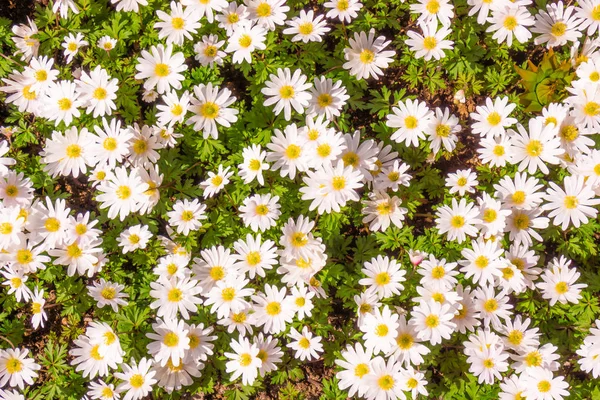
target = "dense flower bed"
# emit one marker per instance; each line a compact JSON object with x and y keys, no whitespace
{"x":202,"y":197}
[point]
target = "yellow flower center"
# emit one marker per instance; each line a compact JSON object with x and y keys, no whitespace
{"x":350,"y":159}
{"x":217,"y":273}
{"x":508,"y":273}
{"x":161,"y":70}
{"x":100,"y":93}
{"x":209,"y":110}
{"x":262,"y":209}
{"x":488,"y":363}
{"x":533,"y":359}
{"x":41,"y":75}
{"x":228,"y":294}
{"x":6,"y":228}
{"x":494,"y":118}
{"x":386,"y":382}
{"x":305,"y":28}
{"x":177,"y":110}
{"x":107,"y":392}
{"x":263,"y":10}
{"x":518,"y":197}
{"x":253,"y":258}
{"x":534,"y":148}
{"x":16,"y":282}
{"x":432,"y":321}
{"x":442,"y":130}
{"x":109,"y":338}
{"x":245,"y":41}
{"x":73,"y":151}
{"x":134,"y":239}
{"x":11,"y":191}
{"x":405,"y":341}
{"x":110,"y":144}
{"x":140,"y":146}
{"x":462,"y":181}
{"x":382,"y":330}
{"x":558,"y":29}
{"x":304,"y":343}
{"x":52,"y":224}
{"x":273,"y":308}
{"x":72,"y":46}
{"x":382,"y":278}
{"x":216,"y":180}
{"x":490,"y":305}
{"x":482,"y":262}
{"x":323,"y":150}
{"x":95,"y":354}
{"x":324,"y":100}
{"x":300,"y":301}
{"x":569,"y":133}
{"x":293,"y":151}
{"x":510,"y":23}
{"x":245,"y":359}
{"x":24,"y":256}
{"x":561,"y":287}
{"x":123,"y":192}
{"x":457,"y":221}
{"x":64,"y":104}
{"x":591,"y":109}
{"x":384,"y":208}
{"x":239,"y":317}
{"x":596,"y":13}
{"x":171,"y":339}
{"x":28,"y":93}
{"x":299,"y":239}
{"x":175,"y":295}
{"x":571,"y":202}
{"x":433,"y":6}
{"x":136,"y":381}
{"x":411,"y":122}
{"x":367,"y":56}
{"x":338,"y":183}
{"x":74,"y":251}
{"x":286,"y":92}
{"x":490,"y":215}
{"x":361,"y":370}
{"x":187,"y":215}
{"x":210,"y":51}
{"x":177,"y":23}
{"x":521,"y":221}
{"x":233,"y":18}
{"x":108,"y":293}
{"x":429,"y":43}
{"x":515,"y":337}
{"x":342,"y":5}
{"x":544,"y":386}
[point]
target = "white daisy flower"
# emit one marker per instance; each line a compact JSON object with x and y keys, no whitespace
{"x":344,"y":10}
{"x":178,"y":25}
{"x":287,"y":91}
{"x":210,"y":106}
{"x":556,"y":25}
{"x":207,"y":51}
{"x":432,"y":43}
{"x":161,"y":68}
{"x":366,"y":56}
{"x":245,"y":39}
{"x":307,"y":27}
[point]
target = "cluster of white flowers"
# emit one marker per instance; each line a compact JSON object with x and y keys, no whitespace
{"x":336,"y":169}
